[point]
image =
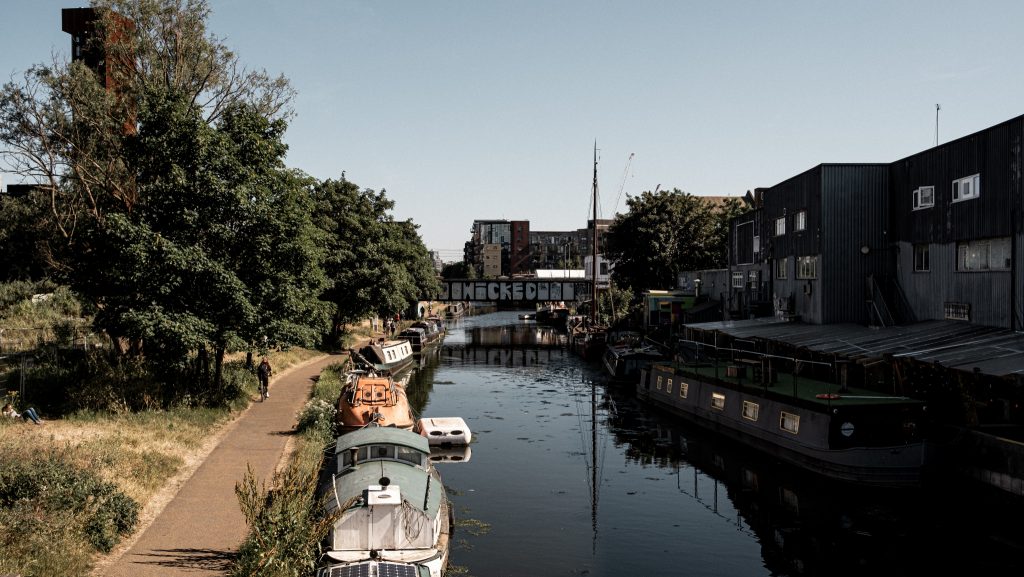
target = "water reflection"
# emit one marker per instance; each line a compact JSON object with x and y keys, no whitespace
{"x":572,"y":476}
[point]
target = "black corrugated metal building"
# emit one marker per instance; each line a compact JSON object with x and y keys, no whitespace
{"x":957,"y":227}
{"x":934,"y":236}
{"x":815,"y":242}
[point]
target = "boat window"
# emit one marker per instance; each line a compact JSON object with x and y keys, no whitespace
{"x":382,"y":451}
{"x":668,"y":386}
{"x":789,"y":422}
{"x":659,"y":382}
{"x":717,"y":401}
{"x":684,"y":389}
{"x":750,"y":410}
{"x":410,"y":455}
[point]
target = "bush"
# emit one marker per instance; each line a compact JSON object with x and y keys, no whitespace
{"x":286,"y":524}
{"x":52,"y":484}
{"x":316,"y":420}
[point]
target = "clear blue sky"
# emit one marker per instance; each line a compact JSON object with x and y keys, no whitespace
{"x":470,"y":109}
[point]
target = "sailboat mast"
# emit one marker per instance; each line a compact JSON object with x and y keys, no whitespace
{"x":593,"y":261}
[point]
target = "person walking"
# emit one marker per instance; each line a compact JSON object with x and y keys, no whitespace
{"x":29,"y":414}
{"x":263,"y":371}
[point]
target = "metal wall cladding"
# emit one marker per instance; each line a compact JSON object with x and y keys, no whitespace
{"x":854,"y":239}
{"x":987,"y":294}
{"x":783,"y":201}
{"x":995,"y":154}
{"x":844,"y":209}
{"x":741,"y":245}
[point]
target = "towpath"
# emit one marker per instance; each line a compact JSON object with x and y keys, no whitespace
{"x":199,"y":531}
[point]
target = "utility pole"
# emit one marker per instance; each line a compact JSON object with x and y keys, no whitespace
{"x":938,"y":107}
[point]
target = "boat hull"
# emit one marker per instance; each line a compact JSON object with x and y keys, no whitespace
{"x":890,"y":465}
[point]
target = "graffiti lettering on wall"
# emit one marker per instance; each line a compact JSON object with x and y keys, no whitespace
{"x":513,"y":291}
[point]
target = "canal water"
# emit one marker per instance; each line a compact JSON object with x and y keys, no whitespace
{"x":569,"y":475}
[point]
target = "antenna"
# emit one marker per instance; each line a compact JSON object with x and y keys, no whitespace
{"x":938,"y":107}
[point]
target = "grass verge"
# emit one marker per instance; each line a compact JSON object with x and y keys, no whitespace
{"x":101,"y":466}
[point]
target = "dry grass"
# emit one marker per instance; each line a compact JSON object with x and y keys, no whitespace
{"x":147,"y":455}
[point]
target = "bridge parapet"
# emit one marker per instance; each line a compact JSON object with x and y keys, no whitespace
{"x":518,"y":290}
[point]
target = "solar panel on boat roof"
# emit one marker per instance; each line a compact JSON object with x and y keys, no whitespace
{"x":383,"y":570}
{"x":360,"y":570}
{"x":396,"y":570}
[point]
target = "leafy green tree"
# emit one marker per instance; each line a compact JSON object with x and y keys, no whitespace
{"x":168,"y":199}
{"x":65,"y":128}
{"x":665,"y":233}
{"x":377,"y":265}
{"x":219,"y":249}
{"x":457,"y":270}
{"x":24,"y":236}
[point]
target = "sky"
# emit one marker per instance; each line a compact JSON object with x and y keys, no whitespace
{"x":467,"y":110}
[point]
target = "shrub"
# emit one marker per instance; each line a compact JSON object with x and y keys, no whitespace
{"x":316,"y":420}
{"x":286,"y":524}
{"x":52,"y":484}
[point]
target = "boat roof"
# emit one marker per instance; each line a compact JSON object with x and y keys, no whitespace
{"x":366,"y":379}
{"x":953,"y":344}
{"x":410,"y":480}
{"x":381,"y":435}
{"x":804,"y":388}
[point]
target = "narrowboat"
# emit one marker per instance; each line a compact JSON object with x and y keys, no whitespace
{"x":842,"y":432}
{"x":623,"y":362}
{"x":424,"y":335}
{"x":393,"y":515}
{"x":455,"y":310}
{"x":370,"y":399}
{"x":553,"y":315}
{"x":393,"y":356}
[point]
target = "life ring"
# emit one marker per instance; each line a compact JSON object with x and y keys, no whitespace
{"x":829,"y":396}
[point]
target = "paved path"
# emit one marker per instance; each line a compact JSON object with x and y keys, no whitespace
{"x":200,"y":530}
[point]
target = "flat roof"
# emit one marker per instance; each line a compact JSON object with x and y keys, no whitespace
{"x":958,"y":345}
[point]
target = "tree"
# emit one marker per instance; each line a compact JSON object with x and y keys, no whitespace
{"x":23,"y":234}
{"x":458,"y":270}
{"x":376,"y":265}
{"x":665,"y":233}
{"x":219,"y":249}
{"x":168,"y":199}
{"x":65,"y":128}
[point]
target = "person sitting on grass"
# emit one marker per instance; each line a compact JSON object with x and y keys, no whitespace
{"x":27,"y":415}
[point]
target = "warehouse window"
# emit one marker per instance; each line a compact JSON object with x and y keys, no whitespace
{"x":782,"y":268}
{"x":780,"y":226}
{"x":967,"y":188}
{"x":921,"y":263}
{"x":800,"y":220}
{"x":980,"y":255}
{"x":924,"y":197}
{"x":807,"y":267}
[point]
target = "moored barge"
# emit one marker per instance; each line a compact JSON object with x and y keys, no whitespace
{"x":845,"y":433}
